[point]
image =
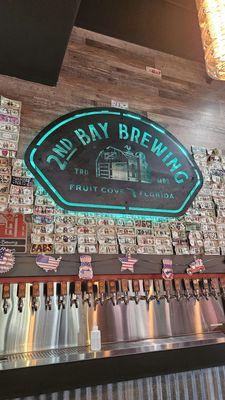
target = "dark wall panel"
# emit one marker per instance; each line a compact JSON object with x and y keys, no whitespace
{"x":166,"y":25}
{"x":33,"y":37}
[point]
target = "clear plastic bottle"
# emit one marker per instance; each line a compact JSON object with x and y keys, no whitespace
{"x":95,"y":339}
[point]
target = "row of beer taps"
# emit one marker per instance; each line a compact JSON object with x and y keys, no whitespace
{"x":101,"y":292}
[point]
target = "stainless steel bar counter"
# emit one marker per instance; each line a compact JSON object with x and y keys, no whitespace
{"x":31,"y":373}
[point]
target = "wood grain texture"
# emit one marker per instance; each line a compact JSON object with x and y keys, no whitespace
{"x":98,"y":68}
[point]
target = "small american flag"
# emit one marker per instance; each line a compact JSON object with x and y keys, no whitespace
{"x":7,"y":260}
{"x":48,"y":263}
{"x":128,"y":263}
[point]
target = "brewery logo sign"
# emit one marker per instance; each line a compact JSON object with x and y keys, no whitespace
{"x":114,"y":161}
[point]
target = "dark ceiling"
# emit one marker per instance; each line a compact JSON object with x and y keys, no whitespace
{"x":167,"y":25}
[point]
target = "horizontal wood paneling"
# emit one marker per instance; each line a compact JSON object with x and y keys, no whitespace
{"x":97,"y":69}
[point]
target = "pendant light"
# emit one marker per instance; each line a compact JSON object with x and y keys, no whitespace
{"x":211,"y":15}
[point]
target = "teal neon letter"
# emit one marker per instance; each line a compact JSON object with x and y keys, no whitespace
{"x":168,"y":155}
{"x":123,"y":131}
{"x":104,"y":128}
{"x":135,"y":134}
{"x":94,"y":133}
{"x":158,"y":148}
{"x":82,"y":136}
{"x":145,"y":139}
{"x":174,"y":163}
{"x":181,"y":176}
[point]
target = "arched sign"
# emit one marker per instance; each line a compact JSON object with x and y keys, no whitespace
{"x":112,"y":160}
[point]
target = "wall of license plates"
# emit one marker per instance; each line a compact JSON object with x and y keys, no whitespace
{"x":53,"y":230}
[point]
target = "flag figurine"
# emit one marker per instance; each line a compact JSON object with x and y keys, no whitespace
{"x":48,"y":263}
{"x":167,"y":269}
{"x":85,"y":270}
{"x":127,"y":263}
{"x":7,"y":260}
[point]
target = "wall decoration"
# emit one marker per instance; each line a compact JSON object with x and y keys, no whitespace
{"x":13,"y":231}
{"x":85,"y":269}
{"x":112,"y":160}
{"x":42,"y":248}
{"x":48,"y":263}
{"x":9,"y":127}
{"x":196,"y":266}
{"x":127,"y":263}
{"x":167,"y":270}
{"x":7,"y":260}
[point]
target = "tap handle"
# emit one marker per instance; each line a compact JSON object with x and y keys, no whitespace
{"x":50,"y":289}
{"x":6,"y":291}
{"x":89,"y":287}
{"x":77,"y":288}
{"x":196,"y":288}
{"x":187,"y":284}
{"x":196,"y":284}
{"x":112,"y":287}
{"x":63,"y":288}
{"x":101,"y":287}
{"x":157,"y":285}
{"x":21,"y":293}
{"x":49,"y":292}
{"x":205,"y":284}
{"x":124,"y":285}
{"x":147,"y":285}
{"x":215,"y":289}
{"x":21,"y":290}
{"x":168,"y":289}
{"x":35,"y":289}
{"x":222,"y":286}
{"x":136,"y":285}
{"x":5,"y":296}
{"x":177,"y":284}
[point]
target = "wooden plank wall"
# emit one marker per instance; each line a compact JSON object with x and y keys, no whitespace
{"x":97,"y":69}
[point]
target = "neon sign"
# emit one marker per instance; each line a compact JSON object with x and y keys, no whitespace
{"x":112,"y":160}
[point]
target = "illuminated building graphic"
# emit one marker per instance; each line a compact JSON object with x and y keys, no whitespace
{"x":123,"y":165}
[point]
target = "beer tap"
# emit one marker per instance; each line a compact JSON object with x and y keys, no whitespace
{"x":222,"y":286}
{"x":89,"y":292}
{"x":102,"y":291}
{"x":62,"y":293}
{"x":6,"y":296}
{"x":49,"y":291}
{"x":21,"y":293}
{"x":124,"y":285}
{"x":157,"y":290}
{"x":214,"y":288}
{"x":168,"y":290}
{"x":177,"y":283}
{"x":76,"y":292}
{"x":205,"y":289}
{"x":96,"y":294}
{"x":35,"y":294}
{"x":196,"y":289}
{"x":113,"y":292}
{"x":146,"y":284}
{"x":188,"y":290}
{"x":136,"y":288}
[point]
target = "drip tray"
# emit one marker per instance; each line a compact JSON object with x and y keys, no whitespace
{"x":78,"y":354}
